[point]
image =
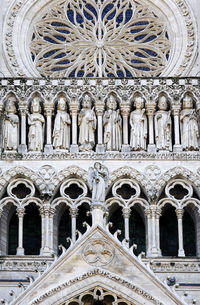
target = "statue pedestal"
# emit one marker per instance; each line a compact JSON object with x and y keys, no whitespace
{"x":74,"y":148}
{"x":22,"y":149}
{"x":177,"y":148}
{"x":98,"y":211}
{"x":151,"y":148}
{"x":48,"y":149}
{"x":126,"y":148}
{"x":100,"y":148}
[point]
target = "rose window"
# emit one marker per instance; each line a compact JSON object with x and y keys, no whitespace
{"x":100,"y":38}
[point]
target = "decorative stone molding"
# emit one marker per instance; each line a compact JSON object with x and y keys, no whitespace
{"x":103,"y":273}
{"x":24,"y":172}
{"x":173,"y":173}
{"x":98,"y":253}
{"x":174,"y":265}
{"x":26,"y":264}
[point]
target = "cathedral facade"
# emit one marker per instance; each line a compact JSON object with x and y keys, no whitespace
{"x":99,"y":152}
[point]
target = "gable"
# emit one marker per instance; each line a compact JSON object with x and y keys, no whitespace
{"x":98,"y":259}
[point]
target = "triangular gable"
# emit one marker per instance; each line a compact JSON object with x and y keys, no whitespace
{"x":98,"y":259}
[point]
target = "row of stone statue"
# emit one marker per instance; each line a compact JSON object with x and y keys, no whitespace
{"x":112,"y":128}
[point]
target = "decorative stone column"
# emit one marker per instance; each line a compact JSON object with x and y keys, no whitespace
{"x":176,"y":107}
{"x":148,"y":232}
{"x":20,"y":213}
{"x":48,"y":110}
{"x":42,"y":230}
{"x":158,"y":214}
{"x":179,"y":214}
{"x":126,"y":213}
{"x":74,"y":108}
{"x":154,"y":248}
{"x":150,"y":110}
{"x":1,"y":213}
{"x":23,"y":108}
{"x":125,"y":110}
{"x":98,"y":211}
{"x":51,"y":216}
{"x":73,"y":214}
{"x":45,"y":214}
{"x":99,"y":108}
{"x":1,"y":126}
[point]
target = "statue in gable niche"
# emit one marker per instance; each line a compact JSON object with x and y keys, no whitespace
{"x":112,"y":125}
{"x":138,"y":122}
{"x":61,"y":131}
{"x":98,"y":180}
{"x":87,"y":125}
{"x":10,"y":126}
{"x":163,"y":125}
{"x":36,"y":126}
{"x":189,"y":125}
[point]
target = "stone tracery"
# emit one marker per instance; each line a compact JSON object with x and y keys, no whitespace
{"x":104,"y":39}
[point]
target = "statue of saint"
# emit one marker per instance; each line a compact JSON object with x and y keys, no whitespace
{"x":10,"y":126}
{"x":112,"y":125}
{"x":98,"y":180}
{"x":138,"y":122}
{"x":36,"y":129}
{"x":163,"y":125}
{"x":87,"y":125}
{"x":61,"y":131}
{"x":189,"y":125}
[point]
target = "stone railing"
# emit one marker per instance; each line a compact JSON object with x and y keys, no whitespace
{"x":131,"y":116}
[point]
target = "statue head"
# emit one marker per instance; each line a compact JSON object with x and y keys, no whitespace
{"x":138,"y":102}
{"x":10,"y":106}
{"x":62,"y":104}
{"x":35,"y":105}
{"x":97,"y":165}
{"x":111,"y":102}
{"x":162,"y":102}
{"x":187,"y":101}
{"x":87,"y":101}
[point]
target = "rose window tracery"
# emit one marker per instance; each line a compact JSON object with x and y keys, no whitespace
{"x":96,"y":38}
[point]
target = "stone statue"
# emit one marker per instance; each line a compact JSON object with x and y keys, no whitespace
{"x":98,"y":180}
{"x":189,"y":125}
{"x":112,"y":125}
{"x":10,"y":126}
{"x":61,"y":131}
{"x":36,"y":126}
{"x":138,"y":122}
{"x":87,"y":125}
{"x":163,"y":125}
